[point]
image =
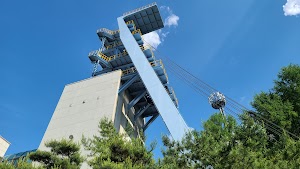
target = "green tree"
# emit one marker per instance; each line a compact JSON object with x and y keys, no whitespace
{"x":21,"y":164}
{"x":224,"y":143}
{"x":62,"y":154}
{"x":281,"y":105}
{"x":114,"y":150}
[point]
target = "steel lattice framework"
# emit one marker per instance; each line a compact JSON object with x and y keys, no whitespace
{"x":144,"y":77}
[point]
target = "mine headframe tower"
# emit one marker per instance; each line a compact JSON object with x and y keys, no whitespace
{"x":143,"y":77}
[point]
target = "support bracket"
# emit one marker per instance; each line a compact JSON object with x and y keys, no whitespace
{"x":128,"y":83}
{"x":136,"y":99}
{"x":150,"y":121}
{"x":141,"y":111}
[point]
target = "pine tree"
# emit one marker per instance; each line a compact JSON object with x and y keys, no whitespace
{"x":281,"y":104}
{"x":113,"y":150}
{"x":62,"y":154}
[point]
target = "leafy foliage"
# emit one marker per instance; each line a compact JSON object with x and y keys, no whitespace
{"x":114,"y":150}
{"x":21,"y":164}
{"x":224,"y":143}
{"x":63,"y":154}
{"x":281,"y":105}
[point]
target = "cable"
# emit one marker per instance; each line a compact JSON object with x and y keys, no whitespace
{"x":205,"y":90}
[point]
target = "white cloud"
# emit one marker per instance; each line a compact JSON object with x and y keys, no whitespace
{"x":157,"y":37}
{"x":172,"y":20}
{"x":152,"y":38}
{"x":292,"y":7}
{"x":163,"y":35}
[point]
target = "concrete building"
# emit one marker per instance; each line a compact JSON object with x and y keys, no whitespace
{"x":83,"y":104}
{"x":4,"y":144}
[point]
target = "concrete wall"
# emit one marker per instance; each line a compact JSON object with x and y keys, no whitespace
{"x":83,"y":104}
{"x":4,"y":144}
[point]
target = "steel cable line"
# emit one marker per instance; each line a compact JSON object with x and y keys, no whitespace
{"x":192,"y":77}
{"x":187,"y":81}
{"x":201,"y":92}
{"x":229,"y":111}
{"x":258,"y":116}
{"x":211,"y":90}
{"x":191,"y":80}
{"x":269,"y":125}
{"x":197,"y":89}
{"x":175,"y":70}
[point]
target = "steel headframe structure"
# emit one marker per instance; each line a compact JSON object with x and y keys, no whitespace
{"x":144,"y":77}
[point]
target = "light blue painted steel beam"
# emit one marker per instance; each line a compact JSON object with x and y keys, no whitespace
{"x":136,"y":99}
{"x":141,"y":111}
{"x":162,"y":101}
{"x":150,"y":121}
{"x":128,"y":83}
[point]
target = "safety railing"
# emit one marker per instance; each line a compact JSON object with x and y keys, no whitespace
{"x":174,"y":95}
{"x":163,"y":67}
{"x":92,"y":53}
{"x":146,"y":48}
{"x":104,"y":57}
{"x":120,"y":43}
{"x":137,"y":31}
{"x":156,"y":63}
{"x":114,"y":45}
{"x":114,"y":32}
{"x":128,"y":71}
{"x":139,"y":9}
{"x":108,"y":31}
{"x":131,"y":22}
{"x":159,"y":63}
{"x":124,"y":53}
{"x":133,"y":69}
{"x":118,"y":31}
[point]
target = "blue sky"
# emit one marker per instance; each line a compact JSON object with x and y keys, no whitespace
{"x":236,"y":46}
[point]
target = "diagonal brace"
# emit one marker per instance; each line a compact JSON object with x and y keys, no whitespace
{"x":136,"y":99}
{"x":150,"y":121}
{"x":128,"y":83}
{"x":141,"y":111}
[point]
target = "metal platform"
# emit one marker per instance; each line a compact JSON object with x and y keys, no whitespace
{"x":147,"y":18}
{"x":113,"y":55}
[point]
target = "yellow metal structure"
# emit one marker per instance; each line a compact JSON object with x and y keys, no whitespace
{"x":124,"y":53}
{"x":133,"y":69}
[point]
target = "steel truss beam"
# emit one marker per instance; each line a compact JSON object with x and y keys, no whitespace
{"x":141,"y":111}
{"x":128,"y":83}
{"x":150,"y":121}
{"x":136,"y":99}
